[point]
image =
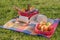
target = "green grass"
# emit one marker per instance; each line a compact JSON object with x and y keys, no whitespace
{"x":50,"y":8}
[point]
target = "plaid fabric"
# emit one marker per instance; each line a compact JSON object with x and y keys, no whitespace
{"x":29,"y":28}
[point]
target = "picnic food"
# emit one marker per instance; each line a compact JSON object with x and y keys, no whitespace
{"x":44,"y":26}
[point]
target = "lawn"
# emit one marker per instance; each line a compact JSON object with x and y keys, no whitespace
{"x":50,"y":8}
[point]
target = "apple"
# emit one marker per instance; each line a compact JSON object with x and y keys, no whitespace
{"x":39,"y":27}
{"x":50,"y":28}
{"x":45,"y":28}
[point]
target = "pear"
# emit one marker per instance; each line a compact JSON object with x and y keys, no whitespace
{"x":48,"y":24}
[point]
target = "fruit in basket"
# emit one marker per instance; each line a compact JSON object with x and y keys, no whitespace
{"x":42,"y":23}
{"x":50,"y":28}
{"x":48,"y":23}
{"x":44,"y":26}
{"x":47,"y":26}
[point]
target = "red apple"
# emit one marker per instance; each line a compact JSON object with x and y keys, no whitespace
{"x":50,"y":28}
